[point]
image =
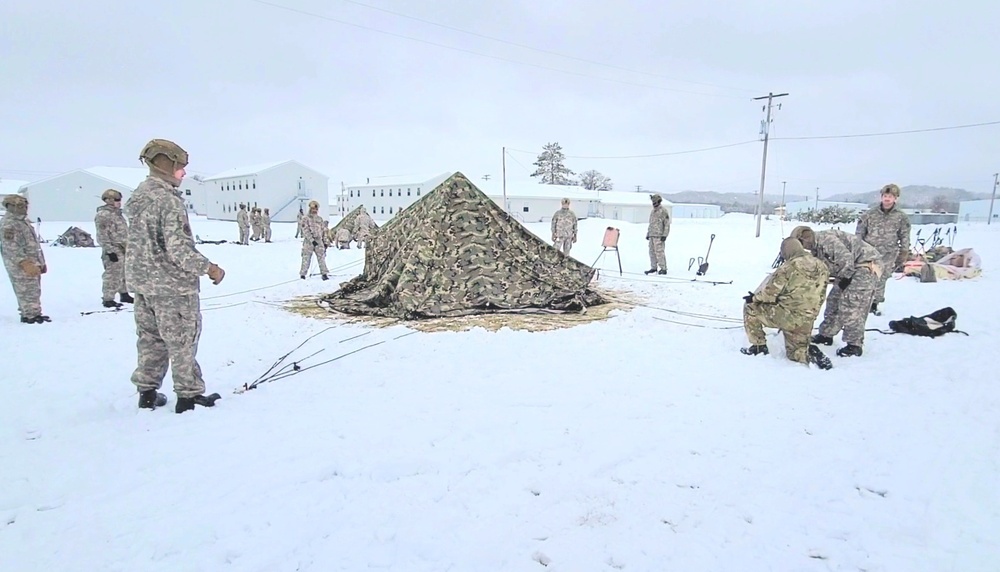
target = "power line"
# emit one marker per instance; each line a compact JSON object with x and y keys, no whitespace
{"x":948,"y":128}
{"x":541,"y":50}
{"x":652,"y":155}
{"x":473,"y":52}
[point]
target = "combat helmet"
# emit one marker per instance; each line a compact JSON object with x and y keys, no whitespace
{"x":111,"y":195}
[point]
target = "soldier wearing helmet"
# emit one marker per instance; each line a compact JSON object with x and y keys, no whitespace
{"x":656,"y":234}
{"x":314,"y":241}
{"x":112,"y":235}
{"x":265,"y":224}
{"x":163,"y":268}
{"x":23,"y":258}
{"x":564,"y":228}
{"x":243,"y":222}
{"x":887,"y":229}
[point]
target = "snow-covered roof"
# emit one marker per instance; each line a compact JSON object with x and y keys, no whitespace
{"x":11,"y":186}
{"x":246,"y":171}
{"x":535,"y":190}
{"x":402,"y":180}
{"x":126,"y":176}
{"x":629,"y":198}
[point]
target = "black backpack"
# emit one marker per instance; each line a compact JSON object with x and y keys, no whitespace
{"x":932,"y":325}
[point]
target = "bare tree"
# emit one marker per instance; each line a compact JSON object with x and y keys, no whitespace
{"x":594,"y":181}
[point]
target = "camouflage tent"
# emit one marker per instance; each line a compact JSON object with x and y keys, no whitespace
{"x":348,"y":223}
{"x":75,"y":236}
{"x":456,"y":253}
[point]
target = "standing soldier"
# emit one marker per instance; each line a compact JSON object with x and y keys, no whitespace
{"x":363,"y":228}
{"x":789,"y":300}
{"x":265,"y":223}
{"x":23,"y":259}
{"x":243,"y":221}
{"x":656,"y":234}
{"x":298,"y":222}
{"x":855,"y":271}
{"x":112,"y":234}
{"x":163,"y":268}
{"x":314,"y":241}
{"x":255,"y":224}
{"x":564,"y":228}
{"x":887,"y":229}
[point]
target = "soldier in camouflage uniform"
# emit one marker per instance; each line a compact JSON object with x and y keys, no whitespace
{"x":243,"y":221}
{"x":342,"y":238}
{"x":564,"y":228}
{"x":298,"y":222}
{"x":314,"y":241}
{"x":255,"y":224}
{"x":23,"y":258}
{"x":362,"y":228}
{"x":112,"y":234}
{"x":855,"y":271}
{"x":163,"y":268}
{"x":656,"y":234}
{"x":887,"y":229}
{"x":789,"y":300}
{"x":265,"y":224}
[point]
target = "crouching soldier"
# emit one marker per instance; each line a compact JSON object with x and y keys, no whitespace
{"x":855,"y":272}
{"x":789,"y":300}
{"x":23,"y":259}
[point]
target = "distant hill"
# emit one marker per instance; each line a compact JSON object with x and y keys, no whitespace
{"x":731,"y":202}
{"x":915,"y":196}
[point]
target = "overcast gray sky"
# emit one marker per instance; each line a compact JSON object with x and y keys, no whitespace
{"x":239,"y":82}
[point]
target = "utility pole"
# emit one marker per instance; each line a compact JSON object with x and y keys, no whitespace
{"x":989,"y":218}
{"x":817,"y":199}
{"x":783,"y":183}
{"x":486,"y":177}
{"x":765,"y":129}
{"x":638,"y":188}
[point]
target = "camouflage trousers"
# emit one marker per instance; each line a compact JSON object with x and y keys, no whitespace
{"x":267,"y":233}
{"x":244,"y":234}
{"x":307,"y":252}
{"x":657,"y":253}
{"x":847,"y":310}
{"x":888,"y":264}
{"x":757,"y":316}
{"x":298,"y":230}
{"x":27,"y":290}
{"x":256,"y":231}
{"x":168,"y":328}
{"x":113,"y":279}
{"x":564,"y":244}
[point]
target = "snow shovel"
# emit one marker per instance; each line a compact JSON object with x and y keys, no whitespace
{"x":703,"y":268}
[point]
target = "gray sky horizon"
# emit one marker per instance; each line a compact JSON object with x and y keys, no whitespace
{"x":367,"y":88}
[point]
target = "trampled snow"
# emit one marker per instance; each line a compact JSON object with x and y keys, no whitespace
{"x":633,"y":443}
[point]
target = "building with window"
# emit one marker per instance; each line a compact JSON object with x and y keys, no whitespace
{"x":978,"y":211}
{"x":384,"y":197}
{"x":283,"y":187}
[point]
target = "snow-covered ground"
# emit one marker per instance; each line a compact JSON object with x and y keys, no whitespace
{"x":628,"y":444}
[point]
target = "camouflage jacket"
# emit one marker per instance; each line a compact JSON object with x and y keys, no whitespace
{"x":564,"y":224}
{"x":659,"y":223}
{"x":160,"y":256}
{"x":798,"y":286}
{"x":18,"y":241}
{"x":255,"y":219}
{"x":343,"y":235}
{"x":362,"y":226}
{"x":112,"y":230}
{"x":242,"y":218}
{"x":888,"y":231}
{"x":265,"y":220}
{"x":313,"y":229}
{"x":843,"y":253}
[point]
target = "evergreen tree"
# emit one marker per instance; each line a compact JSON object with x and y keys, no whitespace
{"x":594,"y":181}
{"x":551,"y":168}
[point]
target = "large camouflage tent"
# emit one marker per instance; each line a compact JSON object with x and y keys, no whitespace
{"x":348,"y":223}
{"x":75,"y":236}
{"x":456,"y":253}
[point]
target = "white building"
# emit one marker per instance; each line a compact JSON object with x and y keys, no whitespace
{"x":694,"y":210}
{"x":528,"y":201}
{"x":384,"y":197}
{"x":75,"y":196}
{"x":978,"y":211}
{"x":627,"y":206}
{"x":795,"y":207}
{"x":11,"y":186}
{"x":283,"y":187}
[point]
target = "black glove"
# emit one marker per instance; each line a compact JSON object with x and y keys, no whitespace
{"x":112,"y":257}
{"x":844,"y":283}
{"x":748,"y":298}
{"x":663,"y":239}
{"x":647,"y":237}
{"x":315,"y":244}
